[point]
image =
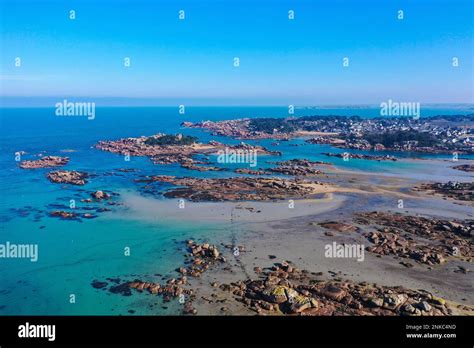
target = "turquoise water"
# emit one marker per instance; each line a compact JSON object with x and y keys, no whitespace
{"x":73,"y":253}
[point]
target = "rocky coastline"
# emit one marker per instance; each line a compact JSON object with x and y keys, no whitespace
{"x":283,"y":289}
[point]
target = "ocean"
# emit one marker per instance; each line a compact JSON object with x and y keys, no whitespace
{"x":73,"y":253}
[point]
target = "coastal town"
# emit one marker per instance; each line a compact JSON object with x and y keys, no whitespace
{"x":436,"y":134}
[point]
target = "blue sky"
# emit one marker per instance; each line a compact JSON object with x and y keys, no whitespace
{"x":281,"y":61}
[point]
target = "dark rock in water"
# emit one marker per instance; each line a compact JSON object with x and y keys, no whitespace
{"x":100,"y":195}
{"x":123,"y":289}
{"x":131,"y":311}
{"x":41,"y":227}
{"x":66,"y":215}
{"x":96,"y":284}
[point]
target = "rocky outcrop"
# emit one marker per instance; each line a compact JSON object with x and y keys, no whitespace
{"x":69,"y":215}
{"x":237,"y":189}
{"x":66,"y":215}
{"x":201,"y":168}
{"x":251,"y":171}
{"x":436,"y":240}
{"x":462,"y":191}
{"x":361,"y":156}
{"x":100,"y":195}
{"x":200,"y":258}
{"x":298,"y":167}
{"x":465,"y":167}
{"x":45,"y":162}
{"x":286,"y":290}
{"x":68,"y":177}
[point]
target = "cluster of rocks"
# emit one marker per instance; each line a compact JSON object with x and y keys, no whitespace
{"x":200,"y":258}
{"x":174,"y":158}
{"x":462,"y":191}
{"x":436,"y":240}
{"x":361,"y":156}
{"x":237,"y":188}
{"x":68,"y":177}
{"x":172,"y":289}
{"x":69,"y":215}
{"x":251,"y":171}
{"x":298,"y":167}
{"x":465,"y":167}
{"x":388,"y":243}
{"x":45,"y":162}
{"x":101,"y":199}
{"x":286,"y":290}
{"x":202,"y":168}
{"x":100,"y":195}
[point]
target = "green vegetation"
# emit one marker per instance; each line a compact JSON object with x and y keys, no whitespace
{"x":171,"y":140}
{"x":398,"y":137}
{"x":269,"y":125}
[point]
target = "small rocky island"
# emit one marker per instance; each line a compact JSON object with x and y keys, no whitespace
{"x":45,"y":162}
{"x":298,"y":167}
{"x":68,"y":177}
